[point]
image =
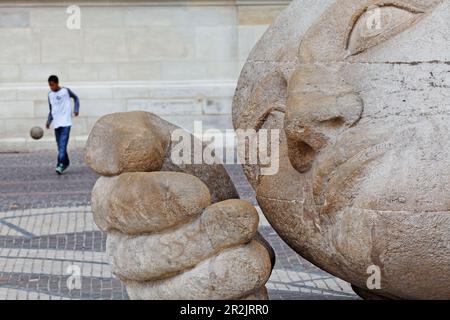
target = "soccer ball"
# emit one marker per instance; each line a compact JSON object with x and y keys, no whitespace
{"x":36,"y":133}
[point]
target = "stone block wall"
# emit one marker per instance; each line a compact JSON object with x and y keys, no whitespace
{"x":178,"y":59}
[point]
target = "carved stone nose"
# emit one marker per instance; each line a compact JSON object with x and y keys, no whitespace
{"x":316,"y":115}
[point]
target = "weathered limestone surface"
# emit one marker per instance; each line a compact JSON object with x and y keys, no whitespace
{"x":360,"y":92}
{"x":132,"y":143}
{"x":147,"y":202}
{"x":166,"y":240}
{"x":139,"y":141}
{"x":222,"y":225}
{"x":232,"y":274}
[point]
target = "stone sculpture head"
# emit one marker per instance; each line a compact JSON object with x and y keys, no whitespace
{"x":361,"y":91}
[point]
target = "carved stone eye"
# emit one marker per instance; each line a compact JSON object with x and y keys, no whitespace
{"x":378,"y":24}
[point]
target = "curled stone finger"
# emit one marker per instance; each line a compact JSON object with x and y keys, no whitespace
{"x":127,"y":142}
{"x":145,"y":202}
{"x":232,"y":274}
{"x":140,"y":141}
{"x":150,"y":257}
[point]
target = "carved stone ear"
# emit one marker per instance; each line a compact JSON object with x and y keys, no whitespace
{"x":264,"y":109}
{"x":320,"y":106}
{"x":268,"y":97}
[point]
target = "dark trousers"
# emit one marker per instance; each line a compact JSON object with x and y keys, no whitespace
{"x":62,"y":140}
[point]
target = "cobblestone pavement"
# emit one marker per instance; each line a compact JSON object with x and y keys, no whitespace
{"x":48,"y":238}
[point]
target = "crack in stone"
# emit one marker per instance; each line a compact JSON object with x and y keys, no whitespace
{"x":412,"y":63}
{"x":283,"y":200}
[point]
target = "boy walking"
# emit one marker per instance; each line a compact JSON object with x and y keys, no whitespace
{"x":61,"y":116}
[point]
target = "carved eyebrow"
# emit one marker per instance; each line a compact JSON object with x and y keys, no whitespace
{"x":355,"y":19}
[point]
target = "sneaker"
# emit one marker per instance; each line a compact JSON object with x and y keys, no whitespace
{"x":64,"y":168}
{"x":59,"y":169}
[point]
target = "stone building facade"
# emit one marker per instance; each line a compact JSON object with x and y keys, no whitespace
{"x":178,"y":59}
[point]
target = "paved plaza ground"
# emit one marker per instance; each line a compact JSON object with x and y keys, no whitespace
{"x":47,"y":234}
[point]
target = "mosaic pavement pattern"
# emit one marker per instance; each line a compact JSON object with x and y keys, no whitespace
{"x":50,"y":247}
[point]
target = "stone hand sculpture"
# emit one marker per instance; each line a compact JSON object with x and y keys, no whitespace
{"x":360,"y":91}
{"x":165,"y":240}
